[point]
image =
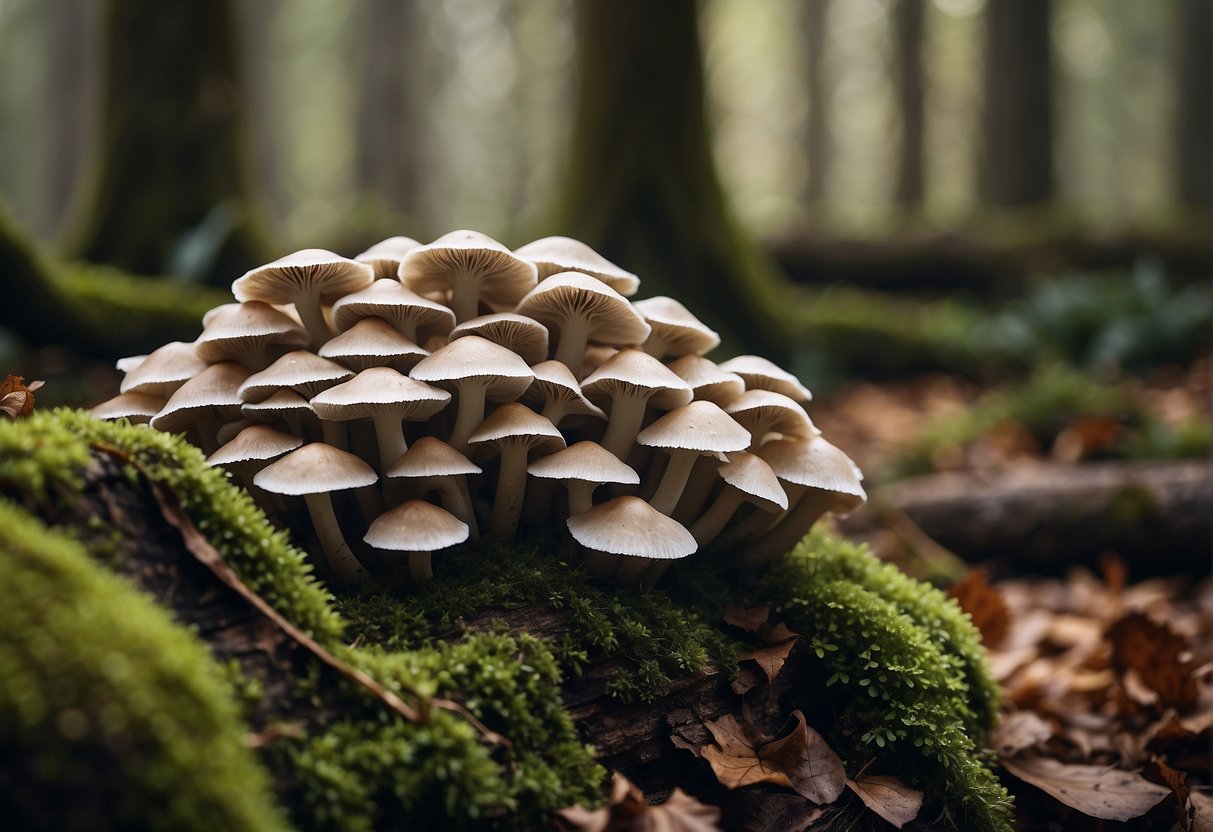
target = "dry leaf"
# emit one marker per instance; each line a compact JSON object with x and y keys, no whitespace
{"x":985,"y":605}
{"x":888,"y":797}
{"x":16,"y":397}
{"x":780,"y":641}
{"x":627,"y":812}
{"x":747,"y":618}
{"x":1097,"y":791}
{"x":798,"y":758}
{"x":1161,"y":658}
{"x":1017,"y":731}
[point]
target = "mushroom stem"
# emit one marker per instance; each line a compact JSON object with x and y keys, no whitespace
{"x":471,"y":414}
{"x":345,"y":566}
{"x":456,"y":502}
{"x":716,"y":517}
{"x":674,"y":480}
{"x":312,"y":316}
{"x":465,"y":295}
{"x":695,"y":496}
{"x":794,"y":525}
{"x":420,"y":567}
{"x":599,"y":564}
{"x":511,"y":488}
{"x":627,"y":412}
{"x":760,"y":521}
{"x":574,"y":333}
{"x":389,"y":432}
{"x":581,"y":496}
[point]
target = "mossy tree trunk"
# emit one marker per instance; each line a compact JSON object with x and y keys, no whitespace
{"x":641,"y":185}
{"x":169,"y":188}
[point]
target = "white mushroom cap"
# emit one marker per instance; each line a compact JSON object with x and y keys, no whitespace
{"x":286,"y":405}
{"x":763,"y":412}
{"x":552,"y":255}
{"x":373,"y":342}
{"x":384,"y":257}
{"x":304,"y":372}
{"x":586,"y":462}
{"x":253,"y":334}
{"x":315,"y":468}
{"x":761,"y":374}
{"x":813,"y":463}
{"x":431,"y":457}
{"x":164,"y":370}
{"x":675,"y":331}
{"x":555,"y":390}
{"x":139,"y":408}
{"x":707,"y":381}
{"x":514,"y":430}
{"x":410,"y":313}
{"x":632,"y":380}
{"x":753,"y":476}
{"x":472,"y":266}
{"x":258,"y":442}
{"x":130,"y":362}
{"x":203,"y":403}
{"x":699,"y":426}
{"x":416,"y":526}
{"x":630,"y":526}
{"x":517,"y":333}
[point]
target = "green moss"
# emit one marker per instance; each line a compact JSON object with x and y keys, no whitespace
{"x":111,"y":716}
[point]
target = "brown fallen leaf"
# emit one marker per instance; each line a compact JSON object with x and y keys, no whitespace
{"x":627,"y":811}
{"x":749,"y":619}
{"x":1161,"y":657}
{"x":1018,"y":731}
{"x":985,"y":605}
{"x":770,"y":659}
{"x":17,"y":397}
{"x":1097,"y":791}
{"x":797,"y":757}
{"x":888,"y":797}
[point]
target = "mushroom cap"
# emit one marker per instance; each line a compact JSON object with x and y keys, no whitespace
{"x":552,"y":255}
{"x":707,"y":381}
{"x":751,"y":475}
{"x":312,"y":271}
{"x":304,"y":372}
{"x":630,"y":526}
{"x":283,"y":404}
{"x":763,"y":412}
{"x":636,"y":373}
{"x":384,"y":257}
{"x":128,"y":363}
{"x":761,"y":374}
{"x":164,"y":370}
{"x":240,"y":329}
{"x":813,"y":463}
{"x":377,"y":390}
{"x":698,"y":426}
{"x":431,"y":457}
{"x":585,"y":461}
{"x":554,"y":381}
{"x":568,"y":295}
{"x":517,"y":424}
{"x":517,"y":333}
{"x":137,"y":407}
{"x":254,"y":443}
{"x":675,"y":330}
{"x":504,"y":278}
{"x":416,"y":526}
{"x":315,"y":469}
{"x":394,"y":303}
{"x":372,"y":342}
{"x":473,"y":357}
{"x":213,"y":389}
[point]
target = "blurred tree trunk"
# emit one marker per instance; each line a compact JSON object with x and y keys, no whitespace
{"x":69,"y":60}
{"x":1017,"y":113}
{"x":388,"y":149}
{"x":641,"y":186}
{"x":256,"y":23}
{"x":1194,"y":131}
{"x":818,"y":139}
{"x":908,"y":18}
{"x":170,"y":183}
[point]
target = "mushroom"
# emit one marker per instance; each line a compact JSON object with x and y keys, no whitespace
{"x":384,"y":257}
{"x":130,"y":362}
{"x":633,"y":380}
{"x":373,"y":342}
{"x":304,"y":372}
{"x":625,"y":535}
{"x":250,"y":451}
{"x":439,"y":466}
{"x":287,"y":406}
{"x":675,"y":331}
{"x":475,"y":369}
{"x":418,"y":528}
{"x":408,"y":312}
{"x":204,"y":403}
{"x":313,"y":472}
{"x":308,"y":279}
{"x":707,"y":381}
{"x":747,"y":479}
{"x":228,"y":430}
{"x":761,"y":374}
{"x":577,"y":308}
{"x":514,"y":430}
{"x":686,"y":433}
{"x":253,"y":334}
{"x":555,"y":389}
{"x":583,"y":467}
{"x":385,"y":397}
{"x":763,"y":412}
{"x":164,"y":371}
{"x":472,"y":266}
{"x":517,"y":333}
{"x":138,"y":408}
{"x":552,"y":255}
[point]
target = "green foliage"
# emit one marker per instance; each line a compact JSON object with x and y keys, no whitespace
{"x":111,"y":715}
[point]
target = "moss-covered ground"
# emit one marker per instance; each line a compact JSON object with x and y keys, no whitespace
{"x":898,"y":668}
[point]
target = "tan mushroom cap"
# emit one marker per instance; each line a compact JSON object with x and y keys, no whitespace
{"x":763,"y":412}
{"x":630,"y":526}
{"x":286,"y":405}
{"x":753,"y":476}
{"x":164,"y":370}
{"x":139,"y":408}
{"x":304,"y":372}
{"x":128,"y":363}
{"x":401,"y":307}
{"x":515,"y":423}
{"x":316,"y":468}
{"x":636,"y":371}
{"x":761,"y":374}
{"x":212,"y":395}
{"x":814,"y":463}
{"x":699,"y":426}
{"x":379,"y":389}
{"x":675,"y":331}
{"x":416,"y":526}
{"x":552,"y":255}
{"x":473,"y":357}
{"x":472,"y":266}
{"x":384,"y":257}
{"x":252,"y":333}
{"x":373,"y":342}
{"x":257,"y":442}
{"x":707,"y":381}
{"x":431,"y":457}
{"x":556,"y":392}
{"x":517,"y":333}
{"x":584,"y":461}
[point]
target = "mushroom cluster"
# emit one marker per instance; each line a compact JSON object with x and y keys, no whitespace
{"x":417,"y":396}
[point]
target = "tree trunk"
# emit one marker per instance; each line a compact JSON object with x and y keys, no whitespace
{"x":1017,"y":113}
{"x":1194,"y":119}
{"x":170,"y":185}
{"x":908,"y":16}
{"x":70,"y":59}
{"x":642,"y":188}
{"x":818,"y":139}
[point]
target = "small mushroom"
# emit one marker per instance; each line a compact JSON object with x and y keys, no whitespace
{"x":472,"y":266}
{"x":517,"y":333}
{"x":625,"y":535}
{"x":164,"y":371}
{"x":514,"y":430}
{"x":373,"y":342}
{"x":583,"y":467}
{"x":384,"y":257}
{"x":686,"y":433}
{"x":439,"y":466}
{"x":553,"y":255}
{"x":555,"y":390}
{"x":675,"y":331}
{"x":763,"y":412}
{"x":408,"y":312}
{"x":138,"y":408}
{"x":254,"y":334}
{"x":286,"y":406}
{"x":250,"y":451}
{"x":632,"y":380}
{"x":747,"y":479}
{"x":707,"y":381}
{"x":418,"y":528}
{"x":308,"y":279}
{"x":130,"y":362}
{"x":304,"y":372}
{"x":204,"y":403}
{"x":761,"y":374}
{"x":313,"y":472}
